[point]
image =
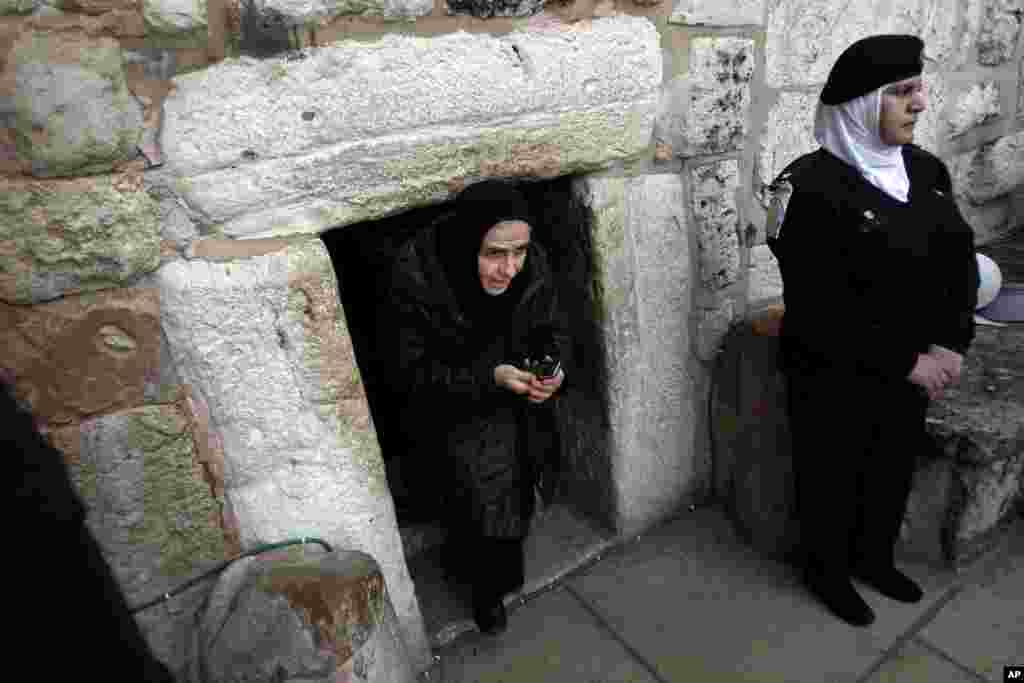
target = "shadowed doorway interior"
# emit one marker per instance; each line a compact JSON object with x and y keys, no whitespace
{"x":363,"y":255}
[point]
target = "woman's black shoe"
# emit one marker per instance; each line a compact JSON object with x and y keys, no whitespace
{"x":839,"y":595}
{"x":890,"y":582}
{"x":490,"y":617}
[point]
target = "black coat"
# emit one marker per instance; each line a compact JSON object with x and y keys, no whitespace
{"x":870,"y":282}
{"x":489,"y":446}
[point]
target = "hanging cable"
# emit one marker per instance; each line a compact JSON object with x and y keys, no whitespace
{"x":223,"y":565}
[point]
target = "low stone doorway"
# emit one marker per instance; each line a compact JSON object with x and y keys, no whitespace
{"x":565,"y":534}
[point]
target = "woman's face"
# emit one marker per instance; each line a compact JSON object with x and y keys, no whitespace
{"x":502,"y":255}
{"x":902,"y":103}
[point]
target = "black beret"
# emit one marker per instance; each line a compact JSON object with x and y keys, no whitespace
{"x":871,"y":63}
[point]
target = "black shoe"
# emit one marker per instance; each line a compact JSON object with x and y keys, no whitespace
{"x":490,"y":617}
{"x":839,"y":595}
{"x":890,"y":582}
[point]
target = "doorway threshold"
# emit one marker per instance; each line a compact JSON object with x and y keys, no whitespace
{"x":559,"y":543}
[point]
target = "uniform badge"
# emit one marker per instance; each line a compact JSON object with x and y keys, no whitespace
{"x":781,"y":191}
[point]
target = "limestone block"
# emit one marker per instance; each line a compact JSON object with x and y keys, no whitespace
{"x":495,"y":8}
{"x":715,"y":97}
{"x":643,"y":249}
{"x":990,"y":221}
{"x":18,"y":6}
{"x":979,"y":423}
{"x":263,"y":341}
{"x":83,"y":355}
{"x":64,"y":236}
{"x":298,"y":12}
{"x":152,"y":509}
{"x":98,"y":6}
{"x":805,"y":37}
{"x":992,"y":170}
{"x":358,"y":131}
{"x":1000,"y":26}
{"x":718,"y":13}
{"x":176,"y":223}
{"x":717,"y":220}
{"x":74,"y":113}
{"x":712,"y":328}
{"x":931,"y":131}
{"x":788,"y":134}
{"x":1020,"y":88}
{"x":978,"y":105}
{"x":175,"y":16}
{"x":322,"y":618}
{"x":765,"y":278}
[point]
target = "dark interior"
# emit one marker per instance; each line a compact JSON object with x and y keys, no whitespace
{"x":362,"y":255}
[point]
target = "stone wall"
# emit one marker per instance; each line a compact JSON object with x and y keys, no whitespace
{"x":166,"y":167}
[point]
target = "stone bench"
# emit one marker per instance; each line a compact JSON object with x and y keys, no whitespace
{"x":965,"y":491}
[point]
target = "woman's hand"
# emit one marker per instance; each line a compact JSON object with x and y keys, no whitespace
{"x":952,"y":361}
{"x":513,"y":379}
{"x":542,"y":390}
{"x":931,"y":374}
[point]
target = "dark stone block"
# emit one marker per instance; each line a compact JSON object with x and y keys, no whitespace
{"x":485,"y":9}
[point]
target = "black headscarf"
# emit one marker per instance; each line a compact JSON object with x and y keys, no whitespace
{"x":477,"y":209}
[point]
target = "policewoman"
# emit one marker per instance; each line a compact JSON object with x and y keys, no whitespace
{"x":880,"y":282}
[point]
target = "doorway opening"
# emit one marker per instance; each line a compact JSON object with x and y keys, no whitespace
{"x":579,"y":523}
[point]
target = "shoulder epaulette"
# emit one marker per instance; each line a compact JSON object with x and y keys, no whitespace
{"x":780,"y":192}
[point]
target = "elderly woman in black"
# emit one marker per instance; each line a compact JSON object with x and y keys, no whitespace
{"x":880,"y":282}
{"x":475,"y":299}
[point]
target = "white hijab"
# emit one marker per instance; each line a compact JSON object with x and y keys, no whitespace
{"x":850,"y":131}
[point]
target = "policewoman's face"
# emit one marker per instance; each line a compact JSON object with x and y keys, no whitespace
{"x":902,"y":104}
{"x":502,"y":255}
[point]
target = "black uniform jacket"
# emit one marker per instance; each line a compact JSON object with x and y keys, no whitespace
{"x":869,"y":282}
{"x":490,"y":444}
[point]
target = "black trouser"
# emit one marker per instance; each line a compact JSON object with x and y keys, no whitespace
{"x":489,"y":567}
{"x":855,"y":442}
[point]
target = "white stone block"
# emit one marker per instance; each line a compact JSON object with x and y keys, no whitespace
{"x":805,"y":37}
{"x":765,"y":278}
{"x":788,"y":133}
{"x":978,"y":105}
{"x":991,"y":171}
{"x":718,"y":12}
{"x":1000,"y":26}
{"x":716,"y":214}
{"x":263,"y":342}
{"x":358,"y":130}
{"x":175,"y":16}
{"x":307,"y":11}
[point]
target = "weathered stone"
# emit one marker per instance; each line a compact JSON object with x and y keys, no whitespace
{"x":83,"y":355}
{"x":714,"y":208}
{"x":495,"y":8}
{"x":64,"y":236}
{"x":804,"y":37}
{"x":74,"y":112}
{"x":264,"y":341}
{"x":711,"y":331}
{"x":978,"y":105}
{"x":305,"y":620}
{"x":765,"y":278}
{"x":718,"y":13}
{"x":176,"y":224}
{"x":175,"y":16}
{"x":992,"y":170}
{"x":714,"y":118}
{"x":99,"y":6}
{"x":752,"y":447}
{"x":990,"y":221}
{"x":299,"y":12}
{"x":18,"y":6}
{"x":152,"y":509}
{"x":979,"y":423}
{"x":788,"y":133}
{"x":380,"y":140}
{"x":931,"y":131}
{"x":643,"y":249}
{"x":1000,"y":26}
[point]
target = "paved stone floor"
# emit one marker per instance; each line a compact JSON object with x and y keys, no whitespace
{"x":690,"y":602}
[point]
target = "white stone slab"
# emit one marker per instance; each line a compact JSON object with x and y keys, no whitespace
{"x":765,"y":278}
{"x":263,"y":342}
{"x":788,"y":133}
{"x":992,"y":170}
{"x":977,"y":105}
{"x":357,"y":130}
{"x":718,"y":12}
{"x":806,"y":36}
